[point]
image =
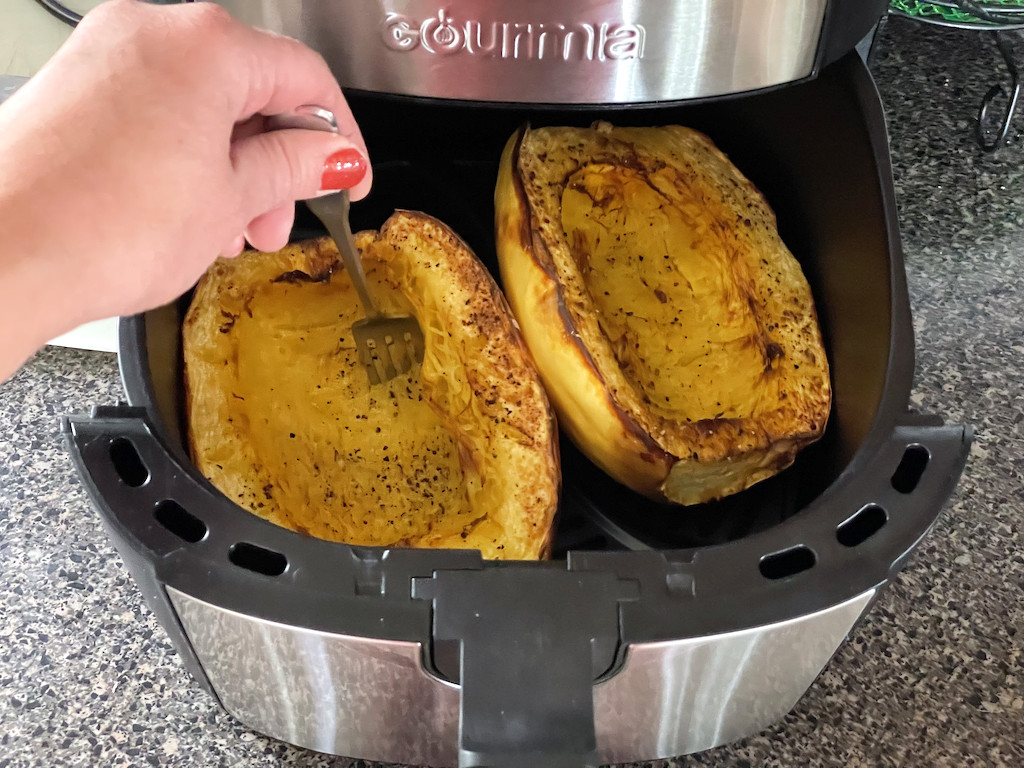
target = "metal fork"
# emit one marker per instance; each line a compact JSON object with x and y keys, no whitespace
{"x":387,"y":344}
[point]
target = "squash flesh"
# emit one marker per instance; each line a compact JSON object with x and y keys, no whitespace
{"x":670,"y":295}
{"x":459,"y":452}
{"x":394,"y":473}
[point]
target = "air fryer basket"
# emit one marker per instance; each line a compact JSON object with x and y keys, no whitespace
{"x":524,"y":644}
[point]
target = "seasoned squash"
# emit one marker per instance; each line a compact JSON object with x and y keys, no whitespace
{"x":459,"y":452}
{"x":675,"y":333}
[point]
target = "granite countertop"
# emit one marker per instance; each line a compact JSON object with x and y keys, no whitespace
{"x":932,"y":677}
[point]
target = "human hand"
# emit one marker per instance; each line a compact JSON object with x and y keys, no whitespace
{"x":136,"y":157}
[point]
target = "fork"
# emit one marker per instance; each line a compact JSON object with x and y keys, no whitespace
{"x":387,"y":345}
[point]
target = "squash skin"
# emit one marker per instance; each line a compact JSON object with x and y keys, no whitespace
{"x":478,"y":380}
{"x":687,"y":459}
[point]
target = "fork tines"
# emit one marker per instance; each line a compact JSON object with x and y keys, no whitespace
{"x":388,"y":353}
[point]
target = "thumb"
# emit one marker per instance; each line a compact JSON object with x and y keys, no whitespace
{"x":278,"y":167}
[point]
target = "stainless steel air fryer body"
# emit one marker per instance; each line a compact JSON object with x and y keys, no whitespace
{"x":352,"y":695}
{"x":571,"y":51}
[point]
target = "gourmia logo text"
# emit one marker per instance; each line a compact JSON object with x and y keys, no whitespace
{"x":443,"y":34}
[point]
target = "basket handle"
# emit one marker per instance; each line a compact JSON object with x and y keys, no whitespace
{"x":526,"y":646}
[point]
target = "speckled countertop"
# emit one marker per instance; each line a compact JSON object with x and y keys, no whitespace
{"x":933,"y":677}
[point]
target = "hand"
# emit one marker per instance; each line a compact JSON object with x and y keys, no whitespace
{"x":137,"y":156}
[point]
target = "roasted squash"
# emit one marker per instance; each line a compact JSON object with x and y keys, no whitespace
{"x":460,"y":452}
{"x":675,"y":333}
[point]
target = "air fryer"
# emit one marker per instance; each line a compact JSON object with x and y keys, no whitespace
{"x":654,"y":630}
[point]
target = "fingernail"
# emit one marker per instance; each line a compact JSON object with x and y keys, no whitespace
{"x":343,"y":170}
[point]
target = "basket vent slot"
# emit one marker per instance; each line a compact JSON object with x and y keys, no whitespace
{"x":255,"y":558}
{"x":179,"y":521}
{"x":788,"y":562}
{"x":369,"y":568}
{"x":912,"y":466}
{"x":864,"y":524}
{"x":127,"y":463}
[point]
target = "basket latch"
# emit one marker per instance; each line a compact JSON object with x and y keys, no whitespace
{"x":526,"y":645}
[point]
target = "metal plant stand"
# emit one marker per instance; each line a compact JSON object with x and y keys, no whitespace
{"x":996,"y":18}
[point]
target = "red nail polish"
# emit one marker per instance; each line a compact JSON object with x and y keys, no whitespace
{"x":344,"y":169}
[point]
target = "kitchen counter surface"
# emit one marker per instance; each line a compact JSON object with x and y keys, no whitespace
{"x":932,"y":677}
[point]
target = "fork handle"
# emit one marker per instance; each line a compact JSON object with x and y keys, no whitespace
{"x":331,"y":209}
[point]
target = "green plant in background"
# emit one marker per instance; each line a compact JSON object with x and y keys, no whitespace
{"x":967,"y":13}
